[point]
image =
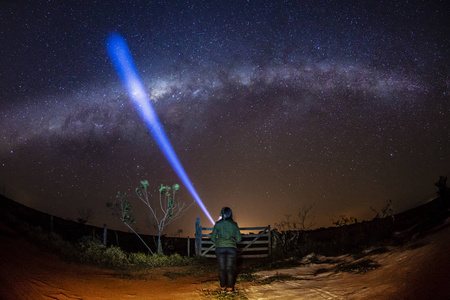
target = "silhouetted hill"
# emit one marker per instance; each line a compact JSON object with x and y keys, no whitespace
{"x":13,"y":212}
{"x":352,"y":236}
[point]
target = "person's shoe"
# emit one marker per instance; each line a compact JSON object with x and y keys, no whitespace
{"x":230,"y":291}
{"x":223,"y":290}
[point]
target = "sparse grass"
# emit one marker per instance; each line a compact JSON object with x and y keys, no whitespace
{"x":277,"y":277}
{"x":293,"y":262}
{"x":199,"y":268}
{"x":321,"y":271}
{"x":337,"y":241}
{"x":173,"y":272}
{"x":91,"y":251}
{"x":361,"y":254}
{"x":217,"y":294}
{"x":362,"y":266}
{"x":282,"y":263}
{"x":247,"y":277}
{"x":319,"y":259}
{"x":194,"y":271}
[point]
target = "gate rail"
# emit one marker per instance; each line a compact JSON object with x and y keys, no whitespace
{"x":254,"y":245}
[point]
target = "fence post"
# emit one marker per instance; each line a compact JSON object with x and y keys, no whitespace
{"x":189,"y":247}
{"x":105,"y":234}
{"x":198,"y":238}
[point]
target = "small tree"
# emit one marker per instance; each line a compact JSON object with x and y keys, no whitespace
{"x":442,"y":186}
{"x":286,"y":225}
{"x":306,"y":221}
{"x":122,"y":209}
{"x":85,"y":215}
{"x":170,"y":208}
{"x":343,"y":220}
{"x":386,"y":211}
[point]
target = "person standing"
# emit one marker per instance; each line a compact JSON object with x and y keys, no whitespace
{"x":225,"y":235}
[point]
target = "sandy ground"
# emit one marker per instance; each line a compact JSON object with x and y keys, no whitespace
{"x":418,"y":270}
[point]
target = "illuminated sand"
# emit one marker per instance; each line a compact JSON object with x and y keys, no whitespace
{"x":28,"y":272}
{"x":417,"y":270}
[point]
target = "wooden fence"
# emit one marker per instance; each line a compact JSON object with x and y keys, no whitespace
{"x":253,"y":245}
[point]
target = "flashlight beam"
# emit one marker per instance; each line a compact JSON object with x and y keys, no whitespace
{"x":121,"y":58}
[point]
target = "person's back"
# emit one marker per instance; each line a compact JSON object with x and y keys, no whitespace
{"x":225,"y":235}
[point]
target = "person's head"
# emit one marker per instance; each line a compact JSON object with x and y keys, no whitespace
{"x":226,"y":213}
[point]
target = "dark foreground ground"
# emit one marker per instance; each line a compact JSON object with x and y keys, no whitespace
{"x":418,"y":268}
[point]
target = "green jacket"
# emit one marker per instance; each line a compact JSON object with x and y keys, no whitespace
{"x":226,"y":234}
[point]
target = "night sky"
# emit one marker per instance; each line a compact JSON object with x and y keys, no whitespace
{"x":269,"y":105}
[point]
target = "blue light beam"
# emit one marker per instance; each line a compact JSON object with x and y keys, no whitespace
{"x":121,"y":58}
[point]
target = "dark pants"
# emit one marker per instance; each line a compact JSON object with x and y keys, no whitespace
{"x":226,"y":257}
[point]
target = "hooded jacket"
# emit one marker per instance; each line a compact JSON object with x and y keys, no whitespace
{"x":226,"y":234}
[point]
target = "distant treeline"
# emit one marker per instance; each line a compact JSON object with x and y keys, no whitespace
{"x":327,"y":241}
{"x":356,"y":237}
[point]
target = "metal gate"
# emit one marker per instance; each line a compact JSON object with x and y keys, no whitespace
{"x":253,"y":245}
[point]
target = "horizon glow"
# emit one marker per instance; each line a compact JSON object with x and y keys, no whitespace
{"x":121,"y":57}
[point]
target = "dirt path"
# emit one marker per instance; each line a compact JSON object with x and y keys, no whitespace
{"x":26,"y":272}
{"x":418,"y":270}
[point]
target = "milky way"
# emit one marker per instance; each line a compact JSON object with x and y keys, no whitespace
{"x":269,"y":105}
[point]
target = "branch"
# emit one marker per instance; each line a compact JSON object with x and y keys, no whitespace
{"x":131,"y":228}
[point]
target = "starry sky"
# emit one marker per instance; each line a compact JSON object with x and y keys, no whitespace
{"x":271,"y":106}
